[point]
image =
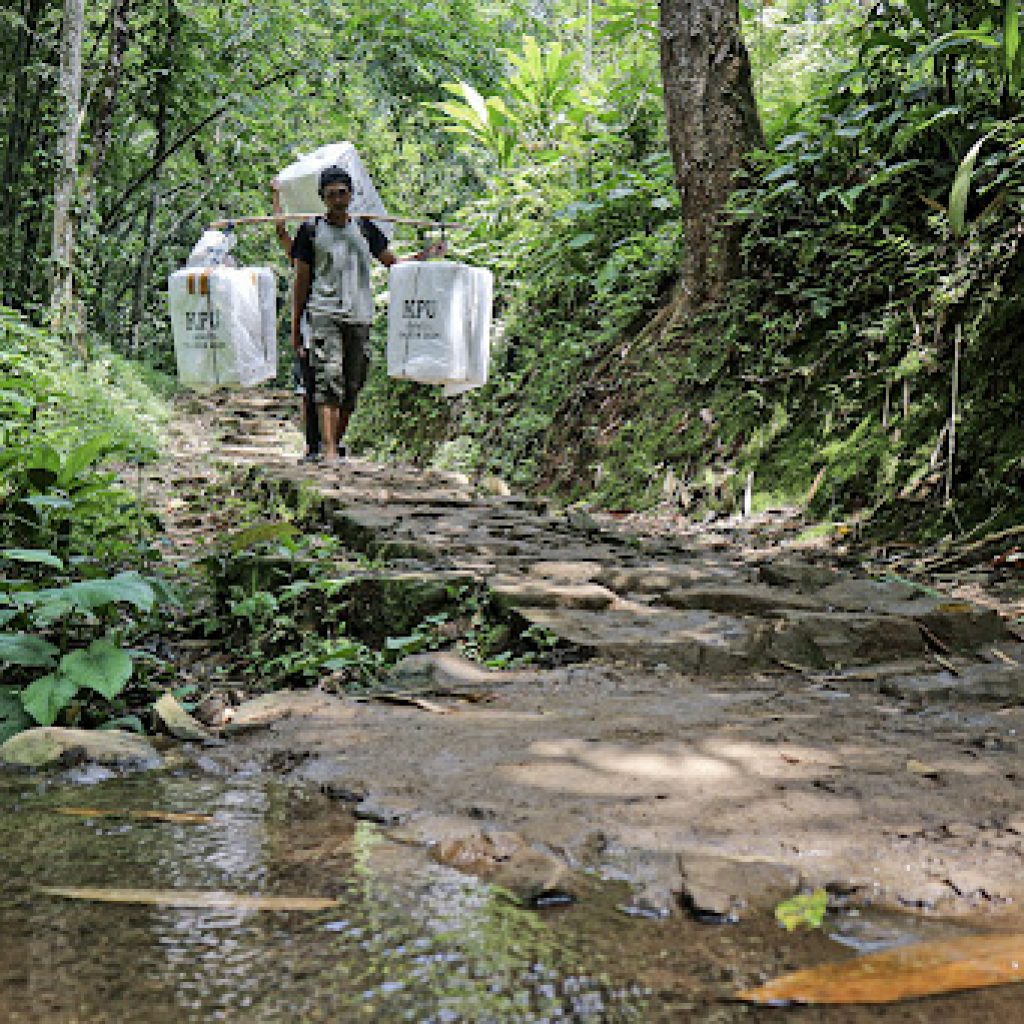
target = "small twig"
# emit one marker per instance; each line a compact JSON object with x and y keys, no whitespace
{"x":932,"y":639}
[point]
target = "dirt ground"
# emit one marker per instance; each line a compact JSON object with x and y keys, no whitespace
{"x":714,"y":786}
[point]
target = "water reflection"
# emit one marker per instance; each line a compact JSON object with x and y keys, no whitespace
{"x":409,"y":940}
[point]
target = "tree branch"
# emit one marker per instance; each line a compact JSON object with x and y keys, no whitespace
{"x":179,"y":142}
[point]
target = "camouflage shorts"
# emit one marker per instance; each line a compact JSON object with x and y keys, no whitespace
{"x":340,"y":358}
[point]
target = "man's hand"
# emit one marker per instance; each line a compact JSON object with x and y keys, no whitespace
{"x":434,"y":251}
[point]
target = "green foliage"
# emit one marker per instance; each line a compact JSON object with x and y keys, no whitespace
{"x":806,"y":910}
{"x":65,"y":524}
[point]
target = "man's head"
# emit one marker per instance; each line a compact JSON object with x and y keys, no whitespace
{"x":334,"y":179}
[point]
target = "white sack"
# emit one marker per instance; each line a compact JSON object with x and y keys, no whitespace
{"x":212,"y":249}
{"x":478,"y":333}
{"x":299,"y":184}
{"x":224,"y":321}
{"x":428,"y":319}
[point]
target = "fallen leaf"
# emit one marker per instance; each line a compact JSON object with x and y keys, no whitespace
{"x":393,"y":697}
{"x":176,"y":817}
{"x":908,"y":972}
{"x":178,"y":722}
{"x":190,"y":898}
{"x":924,"y":770}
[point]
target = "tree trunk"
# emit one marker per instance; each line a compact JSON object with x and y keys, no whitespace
{"x":63,"y":248}
{"x":712,"y":122}
{"x":141,"y":287}
{"x":20,"y":109}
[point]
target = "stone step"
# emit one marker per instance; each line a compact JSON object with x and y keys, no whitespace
{"x":698,"y":642}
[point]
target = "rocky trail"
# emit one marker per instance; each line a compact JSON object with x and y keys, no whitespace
{"x":735,"y":715}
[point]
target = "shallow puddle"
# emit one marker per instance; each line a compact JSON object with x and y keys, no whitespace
{"x":408,"y":939}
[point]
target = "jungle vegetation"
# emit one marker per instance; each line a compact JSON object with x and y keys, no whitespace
{"x":806,"y":274}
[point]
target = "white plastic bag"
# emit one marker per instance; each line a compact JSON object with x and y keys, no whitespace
{"x":439,"y":324}
{"x":428,"y":315}
{"x":212,"y":249}
{"x":224,"y":322}
{"x":299,"y":184}
{"x":478,"y":333}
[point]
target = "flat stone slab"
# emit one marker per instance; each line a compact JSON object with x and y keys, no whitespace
{"x":567,"y":571}
{"x":993,"y":684}
{"x":540,"y":594}
{"x":693,"y":641}
{"x":657,"y":579}
{"x":833,"y":639}
{"x":805,"y":577}
{"x":748,"y":599}
{"x":36,"y":748}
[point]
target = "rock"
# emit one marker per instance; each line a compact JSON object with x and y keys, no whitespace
{"x":508,"y":860}
{"x":824,"y":640}
{"x":994,"y":684}
{"x":443,"y":668}
{"x":262,"y":712}
{"x":496,"y":486}
{"x":692,"y":641}
{"x":37,"y":747}
{"x":724,"y":890}
{"x":179,"y":723}
{"x":385,"y":810}
{"x":566,"y":572}
{"x":748,"y":599}
{"x":538,"y":594}
{"x":658,"y":578}
{"x":801,"y":576}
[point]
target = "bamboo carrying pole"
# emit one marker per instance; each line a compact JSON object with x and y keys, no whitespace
{"x":416,"y":222}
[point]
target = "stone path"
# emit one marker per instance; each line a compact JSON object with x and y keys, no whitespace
{"x":746,"y":714}
{"x":715,"y":602}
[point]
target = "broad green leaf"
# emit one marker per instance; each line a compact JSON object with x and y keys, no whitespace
{"x":130,"y":722}
{"x":47,"y":697}
{"x":102,"y":667}
{"x":888,"y":173}
{"x":127,"y":587}
{"x":780,"y":172}
{"x":1011,"y":41}
{"x":48,"y":501}
{"x":27,"y":650}
{"x":13,"y":717}
{"x":580,"y":241}
{"x":34,"y":556}
{"x":43,"y":467}
{"x":806,"y":910}
{"x":888,"y":40}
{"x":962,"y":187}
{"x":259,"y":533}
{"x":80,"y":458}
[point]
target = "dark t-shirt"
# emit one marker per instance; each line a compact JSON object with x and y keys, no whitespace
{"x":339,"y":258}
{"x":302,"y":247}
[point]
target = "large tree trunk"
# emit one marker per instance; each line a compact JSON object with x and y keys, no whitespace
{"x":63,"y":248}
{"x":22,"y":101}
{"x":712,"y":122}
{"x":141,"y":288}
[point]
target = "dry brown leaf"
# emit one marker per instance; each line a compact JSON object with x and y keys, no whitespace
{"x":925,"y":969}
{"x":178,"y":818}
{"x":190,"y":898}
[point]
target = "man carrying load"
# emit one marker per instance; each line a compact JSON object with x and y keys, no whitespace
{"x":333,"y":257}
